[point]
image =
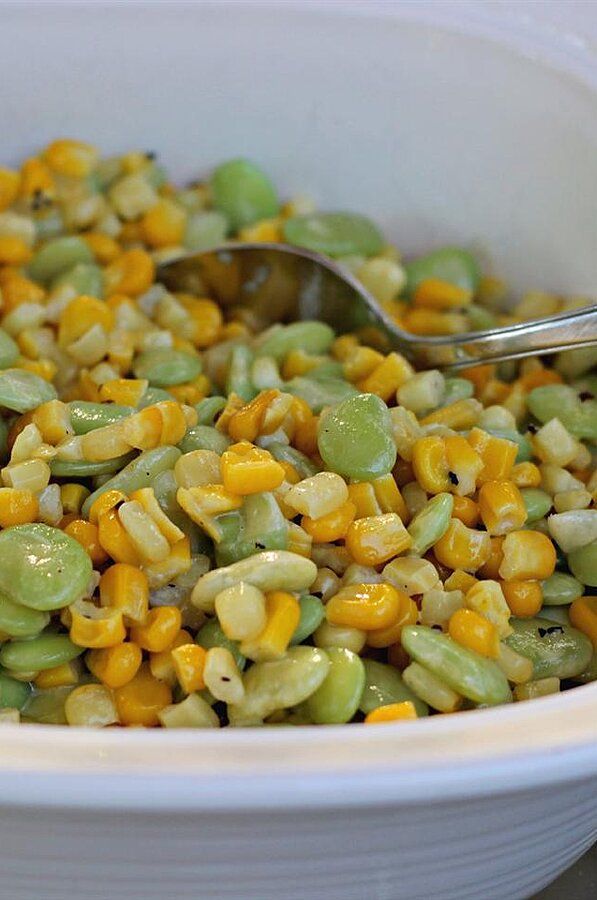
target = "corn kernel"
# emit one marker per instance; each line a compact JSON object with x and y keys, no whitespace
{"x":487,"y":599}
{"x":163,"y":225}
{"x":525,"y":598}
{"x":241,"y":610}
{"x":283,"y":613}
{"x":501,"y":507}
{"x":526,"y":474}
{"x":376,"y":539}
{"x":131,"y":273}
{"x":59,"y":676}
{"x":249,"y":470}
{"x":407,"y":615}
{"x":114,"y":539}
{"x":17,"y":507}
{"x":474,"y":632}
{"x":9,"y":187}
{"x":115,"y":666}
{"x":583,"y":615}
{"x":331,"y":527}
{"x":367,"y":607}
{"x":94,"y":627}
{"x":140,"y":701}
{"x":392,"y":712}
{"x":498,"y":455}
{"x":222,"y":678}
{"x":159,"y":629}
{"x":433,"y":293}
{"x":462,"y":548}
{"x":528,"y":555}
{"x":87,"y":535}
{"x":125,"y":587}
{"x":189,"y":663}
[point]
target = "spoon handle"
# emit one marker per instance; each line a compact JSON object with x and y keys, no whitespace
{"x":567,"y":331}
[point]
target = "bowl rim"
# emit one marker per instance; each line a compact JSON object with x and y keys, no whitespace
{"x":477,"y":753}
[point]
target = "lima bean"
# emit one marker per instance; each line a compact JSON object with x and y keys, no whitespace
{"x":81,"y":468}
{"x":84,"y":278}
{"x":208,"y":408}
{"x":42,"y":568}
{"x":166,"y":367}
{"x":430,"y":523}
{"x":337,"y":698}
{"x":273,"y":570}
{"x":86,"y":416}
{"x":562,"y":402}
{"x":285,"y":453}
{"x":139,"y":473}
{"x":238,"y":380}
{"x":467,"y":673}
{"x":13,"y":694}
{"x":58,"y":255}
{"x":318,"y":394}
{"x":280,"y":340}
{"x":335,"y":234}
{"x":205,"y":230}
{"x":384,"y":685}
{"x":260,"y":525}
{"x":355,"y":438}
{"x":279,"y":684}
{"x":22,"y":391}
{"x":457,"y":389}
{"x":204,"y":437}
{"x":9,"y":352}
{"x":20,"y":621}
{"x":537,"y":503}
{"x":37,"y":654}
{"x":450,"y":264}
{"x":153,"y":395}
{"x":556,"y":651}
{"x":583,"y":564}
{"x":47,"y":706}
{"x":312,"y":615}
{"x":560,"y":589}
{"x":243,"y":193}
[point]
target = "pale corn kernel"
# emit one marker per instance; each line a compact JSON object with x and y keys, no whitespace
{"x":132,"y":196}
{"x":91,"y":705}
{"x":299,"y":540}
{"x":326,"y":584}
{"x":26,"y":444}
{"x":25,"y":316}
{"x":148,"y":540}
{"x":50,"y":505}
{"x":556,"y":480}
{"x":411,"y":575}
{"x":542,"y":687}
{"x":515,"y":667}
{"x":328,"y":635}
{"x":569,"y":500}
{"x":423,"y":392}
{"x":384,"y":278}
{"x":487,"y":598}
{"x":438,"y":606}
{"x":90,"y":348}
{"x":414,"y":497}
{"x":554,"y":444}
{"x":101,"y":444}
{"x":32,"y":475}
{"x":241,"y":611}
{"x":221,"y":675}
{"x":318,"y":495}
{"x":146,"y":497}
{"x":197,"y":468}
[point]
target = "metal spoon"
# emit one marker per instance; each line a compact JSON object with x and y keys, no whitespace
{"x":281,"y":283}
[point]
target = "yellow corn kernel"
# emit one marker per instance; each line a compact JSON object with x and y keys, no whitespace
{"x":17,"y":289}
{"x":475,"y":632}
{"x":104,"y":248}
{"x":175,"y":421}
{"x":189,"y":663}
{"x":80,"y":315}
{"x":241,"y":611}
{"x":541,"y":687}
{"x":392,"y":712}
{"x":179,"y":562}
{"x":460,"y":580}
{"x":163,"y":225}
{"x":146,"y":497}
{"x":36,"y":180}
{"x":389,"y":497}
{"x":517,"y":669}
{"x":387,"y":377}
{"x":45,"y":368}
{"x":104,"y":443}
{"x":87,"y":535}
{"x":245,"y":425}
{"x":127,"y":391}
{"x":205,"y":321}
{"x":299,"y":362}
{"x":53,"y":420}
{"x":87,"y":387}
{"x":362,"y":494}
{"x":498,"y":455}
{"x":490,"y":569}
{"x":344,"y":347}
{"x":464,"y":465}
{"x":104,"y":503}
{"x":487,"y":599}
{"x":368,"y":607}
{"x":298,"y":540}
{"x":583,"y":615}
{"x":142,"y":430}
{"x":432,"y":322}
{"x":249,"y":470}
{"x":433,"y":293}
{"x":282,"y":617}
{"x":407,"y":615}
{"x":525,"y":598}
{"x":73,"y":159}
{"x":204,"y":502}
{"x":17,"y":507}
{"x":95,"y":627}
{"x":73,"y":496}
{"x":146,"y":537}
{"x":131,"y":273}
{"x":462,"y":548}
{"x":114,"y":539}
{"x":13,"y":251}
{"x":430,"y":464}
{"x":192,"y":391}
{"x":526,"y":474}
{"x":59,"y":676}
{"x":501,"y":507}
{"x":460,"y":415}
{"x":331,"y":527}
{"x":290,"y":475}
{"x":9,"y":187}
{"x":140,"y":701}
{"x":115,"y":666}
{"x":32,"y":475}
{"x":376,"y":539}
{"x":264,"y":231}
{"x":161,"y":665}
{"x":125,"y":587}
{"x":362,"y":363}
{"x":527,"y":556}
{"x":467,"y":510}
{"x":159,"y":629}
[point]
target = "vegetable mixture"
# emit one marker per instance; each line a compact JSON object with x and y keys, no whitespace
{"x":205,"y":522}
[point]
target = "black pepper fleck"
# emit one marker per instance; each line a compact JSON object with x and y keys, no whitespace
{"x":532,"y":428}
{"x":453,"y":477}
{"x":586,"y":395}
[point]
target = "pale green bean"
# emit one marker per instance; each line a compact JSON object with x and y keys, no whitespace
{"x":81,"y":468}
{"x":166,"y":367}
{"x":537,"y":503}
{"x":560,"y":589}
{"x":555,"y":650}
{"x":312,"y":615}
{"x":84,"y":278}
{"x":205,"y":230}
{"x":44,"y":652}
{"x":318,"y":394}
{"x":583,"y":564}
{"x":208,"y":409}
{"x":86,"y":416}
{"x":22,"y":391}
{"x":384,"y":685}
{"x":20,"y":621}
{"x":279,"y":340}
{"x":337,"y":698}
{"x":139,"y":473}
{"x":13,"y":694}
{"x":238,"y":380}
{"x":355,"y":438}
{"x":450,"y":264}
{"x":204,"y":437}
{"x":9,"y":352}
{"x":57,"y":256}
{"x":335,"y":234}
{"x":243,"y":193}
{"x":430,"y":523}
{"x":211,"y":635}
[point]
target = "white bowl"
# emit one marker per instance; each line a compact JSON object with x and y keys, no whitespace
{"x":450,"y":122}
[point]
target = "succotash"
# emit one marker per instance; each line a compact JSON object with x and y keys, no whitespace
{"x":205,"y":521}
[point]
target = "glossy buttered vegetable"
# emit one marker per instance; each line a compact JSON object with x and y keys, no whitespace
{"x":208,"y":520}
